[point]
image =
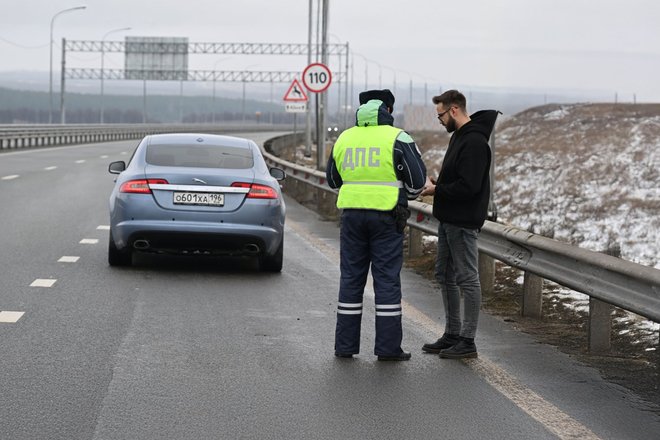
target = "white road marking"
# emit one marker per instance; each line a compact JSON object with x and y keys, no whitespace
{"x":81,"y":161}
{"x":89,"y":241}
{"x":544,"y":412}
{"x":13,"y":176}
{"x":554,"y":419}
{"x":105,"y":156}
{"x":40,"y":282}
{"x":50,"y":168}
{"x":123,"y":153}
{"x":68,"y":259}
{"x":10,"y":317}
{"x":103,"y":227}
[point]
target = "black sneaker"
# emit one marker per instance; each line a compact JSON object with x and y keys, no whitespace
{"x":445,"y":341}
{"x":465,"y":348}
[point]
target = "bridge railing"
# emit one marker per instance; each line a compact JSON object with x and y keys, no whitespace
{"x":607,"y":280}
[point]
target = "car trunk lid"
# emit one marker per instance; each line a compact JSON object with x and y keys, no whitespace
{"x":199,"y":189}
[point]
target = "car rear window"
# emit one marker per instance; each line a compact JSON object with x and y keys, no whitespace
{"x":199,"y":156}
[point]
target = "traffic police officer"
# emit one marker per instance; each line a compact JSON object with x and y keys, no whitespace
{"x":377,"y":168}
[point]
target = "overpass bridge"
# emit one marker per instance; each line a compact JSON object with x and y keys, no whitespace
{"x":183,"y":348}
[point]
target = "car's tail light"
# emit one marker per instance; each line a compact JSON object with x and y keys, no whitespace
{"x":257,"y":191}
{"x":140,"y":186}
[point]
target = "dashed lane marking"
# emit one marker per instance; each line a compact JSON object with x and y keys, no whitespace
{"x":81,"y":161}
{"x":51,"y":168}
{"x":89,"y":241}
{"x":41,"y":282}
{"x":103,"y":227}
{"x":10,"y":317}
{"x":544,"y":412}
{"x":10,"y":177}
{"x":68,"y":259}
{"x":105,"y":156}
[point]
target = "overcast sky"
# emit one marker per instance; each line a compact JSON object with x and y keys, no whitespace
{"x":611,"y":46}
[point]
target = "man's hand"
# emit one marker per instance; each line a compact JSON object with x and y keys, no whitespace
{"x":429,"y":187}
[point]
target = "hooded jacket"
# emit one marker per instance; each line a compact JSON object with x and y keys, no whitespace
{"x":407,"y":159}
{"x":462,"y":189}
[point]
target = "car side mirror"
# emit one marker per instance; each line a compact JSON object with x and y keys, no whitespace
{"x":277,"y":173}
{"x":116,"y":167}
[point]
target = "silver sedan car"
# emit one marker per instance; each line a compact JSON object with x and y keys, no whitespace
{"x":197,"y":194}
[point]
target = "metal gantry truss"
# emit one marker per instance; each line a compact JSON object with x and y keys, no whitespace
{"x":245,"y":76}
{"x":192,"y":75}
{"x":207,"y":48}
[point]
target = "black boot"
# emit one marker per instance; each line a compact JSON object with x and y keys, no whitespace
{"x":445,"y":341}
{"x":465,"y":348}
{"x":403,"y":356}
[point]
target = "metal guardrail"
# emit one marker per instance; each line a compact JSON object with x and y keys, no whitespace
{"x":28,"y":136}
{"x":624,"y":284}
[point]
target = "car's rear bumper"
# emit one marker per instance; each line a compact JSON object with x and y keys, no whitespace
{"x":192,"y":237}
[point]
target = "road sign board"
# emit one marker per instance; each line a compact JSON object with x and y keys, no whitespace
{"x":295,"y":107}
{"x":295,"y":93}
{"x":317,"y":77}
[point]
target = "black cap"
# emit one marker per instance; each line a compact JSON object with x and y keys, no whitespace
{"x":384,"y":95}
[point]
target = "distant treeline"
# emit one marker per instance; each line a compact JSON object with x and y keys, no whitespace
{"x":22,"y":106}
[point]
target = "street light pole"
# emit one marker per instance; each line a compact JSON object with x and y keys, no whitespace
{"x":102,"y":63}
{"x":245,"y":77}
{"x":50,"y":86}
{"x":366,"y":70}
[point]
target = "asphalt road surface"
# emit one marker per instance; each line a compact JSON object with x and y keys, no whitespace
{"x":195,"y":348}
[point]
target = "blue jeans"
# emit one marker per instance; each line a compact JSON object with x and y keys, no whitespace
{"x":457,"y":267}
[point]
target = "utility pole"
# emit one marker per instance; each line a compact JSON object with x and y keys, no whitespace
{"x":320,"y":135}
{"x":308,"y":114}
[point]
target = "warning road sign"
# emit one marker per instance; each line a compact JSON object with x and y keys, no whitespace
{"x":295,"y":93}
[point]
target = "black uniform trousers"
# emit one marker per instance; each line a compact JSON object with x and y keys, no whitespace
{"x":369,"y":238}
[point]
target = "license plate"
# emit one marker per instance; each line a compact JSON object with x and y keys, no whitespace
{"x":204,"y":199}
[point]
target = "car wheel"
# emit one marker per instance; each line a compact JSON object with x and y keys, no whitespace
{"x":273,"y":263}
{"x":117,"y":257}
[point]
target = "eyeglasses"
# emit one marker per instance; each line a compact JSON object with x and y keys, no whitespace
{"x":440,"y":115}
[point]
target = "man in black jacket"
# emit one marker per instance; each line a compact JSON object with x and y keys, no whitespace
{"x":460,"y":203}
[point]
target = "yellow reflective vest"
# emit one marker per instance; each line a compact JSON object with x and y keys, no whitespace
{"x":364,"y":157}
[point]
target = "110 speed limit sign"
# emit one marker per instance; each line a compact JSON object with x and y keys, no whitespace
{"x":317,"y":77}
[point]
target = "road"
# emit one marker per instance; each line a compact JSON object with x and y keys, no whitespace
{"x":191,"y":348}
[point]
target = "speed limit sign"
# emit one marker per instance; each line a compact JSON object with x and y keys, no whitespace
{"x":317,"y":77}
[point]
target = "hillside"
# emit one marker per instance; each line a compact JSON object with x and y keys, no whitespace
{"x":589,"y":174}
{"x":25,"y":106}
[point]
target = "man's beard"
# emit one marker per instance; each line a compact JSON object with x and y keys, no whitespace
{"x":450,"y":126}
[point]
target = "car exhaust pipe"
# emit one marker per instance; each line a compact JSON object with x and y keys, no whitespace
{"x":141,"y":244}
{"x":251,"y":248}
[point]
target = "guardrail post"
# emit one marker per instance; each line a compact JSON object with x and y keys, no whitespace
{"x":532,"y":300}
{"x":600,"y":326}
{"x":486,"y":273}
{"x":415,"y":244}
{"x":326,"y":203}
{"x":600,"y":316}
